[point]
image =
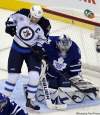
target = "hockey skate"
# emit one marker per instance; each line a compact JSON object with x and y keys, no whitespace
{"x":30,"y":103}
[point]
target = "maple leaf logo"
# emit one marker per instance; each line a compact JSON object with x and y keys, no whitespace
{"x":59,"y":65}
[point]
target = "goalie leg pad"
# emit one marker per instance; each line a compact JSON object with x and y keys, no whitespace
{"x":70,"y":95}
{"x":85,"y":87}
{"x":52,"y":81}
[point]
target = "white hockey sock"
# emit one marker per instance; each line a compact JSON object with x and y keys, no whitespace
{"x":10,"y":83}
{"x":33,"y":84}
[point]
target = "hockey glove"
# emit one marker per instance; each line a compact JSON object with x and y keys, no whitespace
{"x":10,"y":27}
{"x":39,"y":52}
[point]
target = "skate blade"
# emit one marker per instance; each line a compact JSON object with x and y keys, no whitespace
{"x":30,"y":110}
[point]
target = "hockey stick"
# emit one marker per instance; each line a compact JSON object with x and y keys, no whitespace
{"x":46,"y":89}
{"x":45,"y":84}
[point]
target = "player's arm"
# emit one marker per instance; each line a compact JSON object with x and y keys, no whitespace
{"x":11,"y":22}
{"x":39,"y":52}
{"x":10,"y":26}
{"x":75,"y":68}
{"x":75,"y":65}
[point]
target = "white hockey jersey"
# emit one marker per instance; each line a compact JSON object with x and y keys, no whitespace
{"x":29,"y":32}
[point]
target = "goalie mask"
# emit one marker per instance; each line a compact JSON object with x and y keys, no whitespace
{"x":36,"y":13}
{"x":64,"y":43}
{"x":3,"y":101}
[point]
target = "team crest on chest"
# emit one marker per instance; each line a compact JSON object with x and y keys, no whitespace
{"x":26,"y":33}
{"x":59,"y":65}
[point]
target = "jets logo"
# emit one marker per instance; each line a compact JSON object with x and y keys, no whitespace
{"x":26,"y":33}
{"x":59,"y":65}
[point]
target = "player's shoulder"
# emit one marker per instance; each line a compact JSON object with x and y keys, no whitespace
{"x":74,"y":45}
{"x":44,"y":20}
{"x":51,"y":42}
{"x":75,"y":50}
{"x":45,"y":24}
{"x":23,"y":11}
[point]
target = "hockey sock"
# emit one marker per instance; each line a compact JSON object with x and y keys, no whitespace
{"x":10,"y":83}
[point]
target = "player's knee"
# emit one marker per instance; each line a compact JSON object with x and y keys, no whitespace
{"x":52,"y":82}
{"x":53,"y":85}
{"x":14,"y":70}
{"x":13,"y":77}
{"x":34,"y":77}
{"x":64,"y":82}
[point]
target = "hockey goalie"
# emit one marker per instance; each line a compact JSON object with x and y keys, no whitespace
{"x":63,"y":84}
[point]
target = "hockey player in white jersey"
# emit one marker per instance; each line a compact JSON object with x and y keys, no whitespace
{"x":29,"y":28}
{"x":63,"y":57}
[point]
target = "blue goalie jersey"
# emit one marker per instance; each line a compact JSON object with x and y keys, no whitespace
{"x":69,"y":66}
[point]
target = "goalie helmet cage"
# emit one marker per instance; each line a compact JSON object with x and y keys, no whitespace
{"x":83,"y":31}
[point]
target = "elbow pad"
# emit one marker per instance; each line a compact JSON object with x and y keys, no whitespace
{"x":10,"y":27}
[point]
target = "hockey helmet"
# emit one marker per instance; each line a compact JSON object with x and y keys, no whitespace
{"x":3,"y":101}
{"x":36,"y":11}
{"x":64,"y":43}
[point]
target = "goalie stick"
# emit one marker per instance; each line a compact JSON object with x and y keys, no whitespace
{"x":45,"y":84}
{"x":46,"y":90}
